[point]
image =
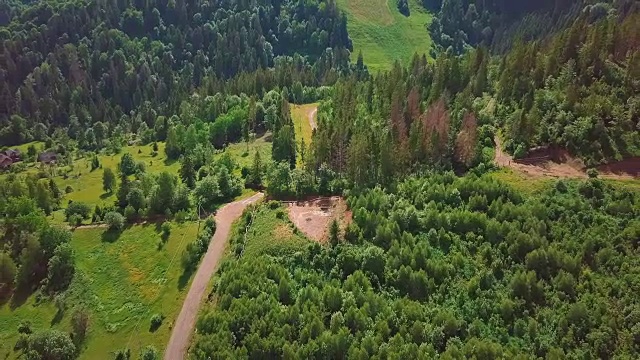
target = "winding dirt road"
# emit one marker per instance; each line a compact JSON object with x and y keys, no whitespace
{"x":184,"y":325}
{"x":312,"y":118}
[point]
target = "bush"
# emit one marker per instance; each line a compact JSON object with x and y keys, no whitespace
{"x":166,"y":230}
{"x":77,"y":208}
{"x":75,"y":220}
{"x":123,"y":354}
{"x":25,"y":327}
{"x":156,"y":321}
{"x":592,"y":173}
{"x":68,"y":189}
{"x":149,"y":353}
{"x":130,"y":213}
{"x":114,"y":220}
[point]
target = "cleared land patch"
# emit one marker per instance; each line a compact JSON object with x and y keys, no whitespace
{"x":313,"y":216}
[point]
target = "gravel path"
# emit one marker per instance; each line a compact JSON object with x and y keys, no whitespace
{"x":184,"y":325}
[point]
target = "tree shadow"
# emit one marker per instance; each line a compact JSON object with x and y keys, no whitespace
{"x":57,"y":317}
{"x":105,"y":195}
{"x":111,"y":236}
{"x":153,"y":327}
{"x":169,"y":162}
{"x":184,"y":279}
{"x":20,"y":296}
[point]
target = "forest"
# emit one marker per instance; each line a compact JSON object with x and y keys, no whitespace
{"x":444,"y":266}
{"x":117,"y":64}
{"x":160,"y":112}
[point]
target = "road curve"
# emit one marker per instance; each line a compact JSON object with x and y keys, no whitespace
{"x":184,"y":325}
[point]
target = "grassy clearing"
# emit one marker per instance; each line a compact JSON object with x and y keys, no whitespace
{"x":300,"y":116}
{"x":383,"y":34}
{"x":87,"y":184}
{"x":120,"y":281}
{"x":272,"y":233}
{"x":242,"y":153}
{"x":522,"y":182}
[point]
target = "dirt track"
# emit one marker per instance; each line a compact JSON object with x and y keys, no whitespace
{"x":312,"y":118}
{"x":184,"y":325}
{"x":568,"y":168}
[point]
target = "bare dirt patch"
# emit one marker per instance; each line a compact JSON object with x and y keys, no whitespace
{"x":313,"y":216}
{"x":558,"y":163}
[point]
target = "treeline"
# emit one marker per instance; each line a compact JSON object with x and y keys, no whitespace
{"x":75,"y":64}
{"x":374,"y":129}
{"x":444,"y":266}
{"x":33,"y":253}
{"x":497,"y":24}
{"x":579,"y":91}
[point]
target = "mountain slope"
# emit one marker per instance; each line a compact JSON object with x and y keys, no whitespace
{"x":383,"y":34}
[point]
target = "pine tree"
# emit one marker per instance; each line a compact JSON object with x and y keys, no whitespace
{"x":188,"y":172}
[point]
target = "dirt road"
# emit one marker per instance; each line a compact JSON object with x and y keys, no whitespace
{"x":312,"y":118}
{"x":184,"y":325}
{"x":569,"y":168}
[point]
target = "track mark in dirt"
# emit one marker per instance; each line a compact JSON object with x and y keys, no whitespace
{"x":312,"y":118}
{"x":568,"y":168}
{"x":185,"y":323}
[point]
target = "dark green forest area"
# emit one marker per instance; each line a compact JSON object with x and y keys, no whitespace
{"x":440,"y":260}
{"x":77,"y":64}
{"x":449,"y":266}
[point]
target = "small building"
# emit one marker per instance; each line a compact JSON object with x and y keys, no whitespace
{"x":48,"y":157}
{"x":5,"y":162}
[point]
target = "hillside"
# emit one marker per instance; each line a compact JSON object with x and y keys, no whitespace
{"x":383,"y":34}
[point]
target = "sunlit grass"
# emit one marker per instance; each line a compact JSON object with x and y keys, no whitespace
{"x":122,"y":282}
{"x":383,"y":34}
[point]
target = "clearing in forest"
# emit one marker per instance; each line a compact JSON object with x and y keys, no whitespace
{"x":383,"y":34}
{"x":314,"y":216}
{"x":532,"y":174}
{"x":304,"y":121}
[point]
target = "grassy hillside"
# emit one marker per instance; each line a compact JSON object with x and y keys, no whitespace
{"x":122,"y":282}
{"x":383,"y":34}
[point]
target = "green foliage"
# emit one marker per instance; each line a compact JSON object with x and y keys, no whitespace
{"x":127,"y":165}
{"x":149,"y":353}
{"x":156,"y":321}
{"x":51,"y":344}
{"x":114,"y":220}
{"x":218,"y":187}
{"x":77,"y":208}
{"x":60,"y":268}
{"x":8,"y":272}
{"x":447,"y":266}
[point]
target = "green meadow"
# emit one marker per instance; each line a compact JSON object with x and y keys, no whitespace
{"x":122,"y":281}
{"x":383,"y":34}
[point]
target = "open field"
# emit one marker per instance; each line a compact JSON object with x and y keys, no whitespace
{"x":383,"y":34}
{"x":300,"y":115}
{"x":122,"y":282}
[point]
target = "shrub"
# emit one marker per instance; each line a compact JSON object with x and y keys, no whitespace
{"x":156,"y":321}
{"x":149,"y":353}
{"x":68,"y":189}
{"x":75,"y":220}
{"x":25,"y":327}
{"x":130,"y":213}
{"x":123,"y":354}
{"x":77,"y":208}
{"x":166,"y":230}
{"x":114,"y":220}
{"x":592,"y":173}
